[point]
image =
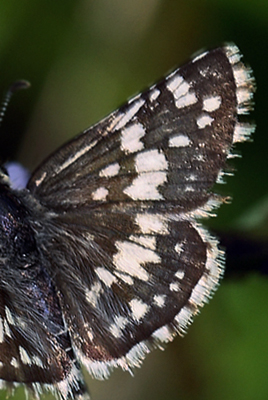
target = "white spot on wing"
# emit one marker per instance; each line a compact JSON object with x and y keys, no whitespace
{"x":180,"y":274}
{"x":24,"y":356}
{"x":179,"y":248}
{"x":110,"y":170}
{"x":118,"y":325}
{"x":14,"y":362}
{"x":204,"y":120}
{"x":144,"y":187}
{"x":131,"y":256}
{"x":180,"y":89}
{"x":37,"y":361}
{"x":7,"y":329}
{"x":146,"y":241}
{"x":186,"y":100}
{"x":100,"y":194}
{"x":9,"y":316}
{"x":174,"y":286}
{"x":159,"y":300}
{"x":138,"y":308}
{"x":154,"y":93}
{"x":105,"y":276}
{"x":93,"y":295}
{"x":131,"y":135}
{"x":179,"y":141}
{"x":211,"y":103}
{"x":152,"y":223}
{"x":124,"y":277}
{"x":151,"y":160}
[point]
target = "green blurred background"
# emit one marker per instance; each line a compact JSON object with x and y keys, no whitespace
{"x":83,"y":59}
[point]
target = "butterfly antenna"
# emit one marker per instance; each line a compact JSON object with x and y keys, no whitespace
{"x":18,"y":85}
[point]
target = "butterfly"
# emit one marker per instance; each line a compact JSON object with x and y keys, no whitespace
{"x":102,"y":255}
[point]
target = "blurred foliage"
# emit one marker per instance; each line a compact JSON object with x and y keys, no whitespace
{"x":84,"y":58}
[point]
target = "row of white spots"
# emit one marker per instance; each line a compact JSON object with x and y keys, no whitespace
{"x":181,"y":91}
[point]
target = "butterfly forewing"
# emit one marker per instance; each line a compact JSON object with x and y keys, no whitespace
{"x":167,"y":142}
{"x":114,"y":214}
